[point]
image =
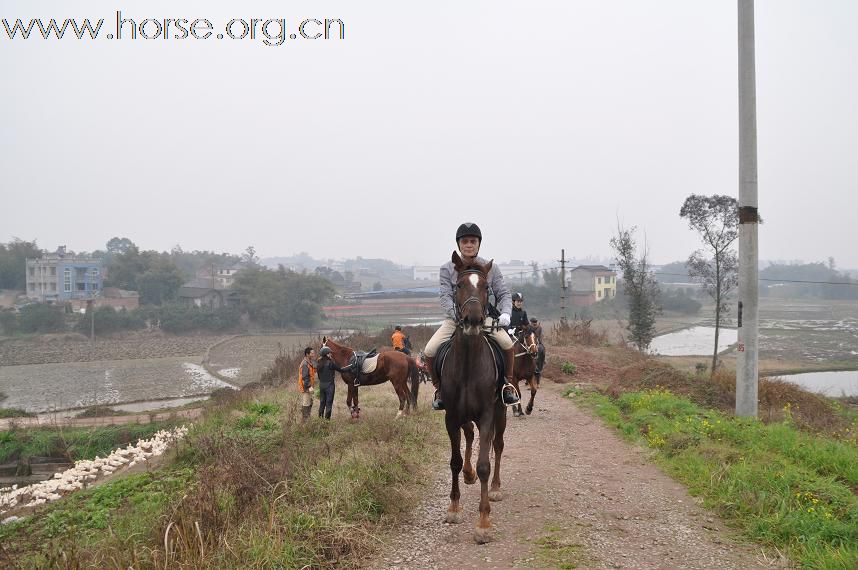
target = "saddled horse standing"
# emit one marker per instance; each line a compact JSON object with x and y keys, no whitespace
{"x":469,"y":389}
{"x":395,"y":366}
{"x":526,"y":352}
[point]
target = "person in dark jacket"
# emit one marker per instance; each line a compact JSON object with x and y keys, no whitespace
{"x":518,"y":317}
{"x":326,"y":371}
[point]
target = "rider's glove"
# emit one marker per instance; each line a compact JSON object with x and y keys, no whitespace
{"x":503,"y":320}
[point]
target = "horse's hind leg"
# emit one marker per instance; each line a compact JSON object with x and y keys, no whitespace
{"x":402,"y":394}
{"x":454,"y":511}
{"x":484,"y":468}
{"x":468,"y":472}
{"x":495,"y":493}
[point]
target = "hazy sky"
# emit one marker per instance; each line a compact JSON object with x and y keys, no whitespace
{"x":542,"y":121}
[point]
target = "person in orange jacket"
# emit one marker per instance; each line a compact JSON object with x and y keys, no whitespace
{"x":400,"y":341}
{"x":306,"y":382}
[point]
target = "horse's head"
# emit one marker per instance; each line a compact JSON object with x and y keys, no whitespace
{"x":530,"y":343}
{"x":472,"y":294}
{"x":339,"y":354}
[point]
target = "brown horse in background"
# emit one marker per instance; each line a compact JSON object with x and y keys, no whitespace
{"x":526,"y":351}
{"x":397,"y":367}
{"x":469,"y":389}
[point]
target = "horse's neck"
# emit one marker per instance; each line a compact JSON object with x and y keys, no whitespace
{"x":469,"y":345}
{"x":342,"y":355}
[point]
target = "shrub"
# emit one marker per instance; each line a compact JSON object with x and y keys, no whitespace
{"x":41,"y":318}
{"x":568,"y":368}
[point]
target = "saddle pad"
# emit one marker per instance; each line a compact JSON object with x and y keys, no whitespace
{"x":369,"y":365}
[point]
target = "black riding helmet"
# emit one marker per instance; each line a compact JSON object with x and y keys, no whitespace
{"x":325,"y":351}
{"x":517,"y":297}
{"x":469,"y":229}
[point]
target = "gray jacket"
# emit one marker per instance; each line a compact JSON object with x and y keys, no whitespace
{"x":448,"y":276}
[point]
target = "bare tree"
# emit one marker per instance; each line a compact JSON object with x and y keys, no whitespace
{"x":640,"y":287}
{"x":716,"y":219}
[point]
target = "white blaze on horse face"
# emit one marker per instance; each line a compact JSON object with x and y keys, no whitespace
{"x":474,"y":279}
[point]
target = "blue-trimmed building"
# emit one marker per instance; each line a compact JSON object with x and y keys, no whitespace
{"x":58,"y":277}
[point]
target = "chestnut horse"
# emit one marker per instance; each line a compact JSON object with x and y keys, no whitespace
{"x":526,"y":351}
{"x":469,"y":389}
{"x":392,"y":365}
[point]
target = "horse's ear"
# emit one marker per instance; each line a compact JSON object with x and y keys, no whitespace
{"x":457,"y":261}
{"x":324,"y":340}
{"x":489,"y":266}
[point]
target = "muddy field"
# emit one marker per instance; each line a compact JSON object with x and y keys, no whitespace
{"x":243,"y":359}
{"x":77,"y":348}
{"x":45,"y":387}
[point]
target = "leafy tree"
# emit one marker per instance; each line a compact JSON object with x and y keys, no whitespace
{"x":160,"y":282}
{"x":283,"y":297}
{"x":639,"y":285}
{"x":716,"y":220}
{"x":249,"y":256}
{"x":13,"y":263}
{"x":153,"y":274}
{"x":117,"y":245}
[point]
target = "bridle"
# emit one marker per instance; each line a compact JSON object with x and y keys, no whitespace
{"x":527,"y":347}
{"x":460,"y":321}
{"x":352,"y":363}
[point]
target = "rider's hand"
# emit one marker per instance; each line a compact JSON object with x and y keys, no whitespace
{"x":503,"y":320}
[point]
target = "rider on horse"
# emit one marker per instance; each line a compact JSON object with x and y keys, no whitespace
{"x":468,"y":239}
{"x":518,"y":317}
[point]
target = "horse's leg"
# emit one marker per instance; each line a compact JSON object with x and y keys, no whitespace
{"x":402,"y":394}
{"x":468,"y":472}
{"x":484,"y":469}
{"x":495,"y":493}
{"x":516,"y":409}
{"x":534,"y":386}
{"x":454,"y":511}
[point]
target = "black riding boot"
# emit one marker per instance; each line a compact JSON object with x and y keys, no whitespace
{"x":509,"y":395}
{"x":437,"y":404}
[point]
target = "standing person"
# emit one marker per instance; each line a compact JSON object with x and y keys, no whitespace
{"x":469,"y":239}
{"x":399,"y":340}
{"x":306,"y":382}
{"x":326,"y":369}
{"x":518,"y":317}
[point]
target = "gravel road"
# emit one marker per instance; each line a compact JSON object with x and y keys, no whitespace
{"x":575,"y":496}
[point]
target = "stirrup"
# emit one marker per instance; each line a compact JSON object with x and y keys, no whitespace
{"x":506,"y":388}
{"x":437,"y":403}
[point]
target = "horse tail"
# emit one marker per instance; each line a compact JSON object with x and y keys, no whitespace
{"x":414,"y":374}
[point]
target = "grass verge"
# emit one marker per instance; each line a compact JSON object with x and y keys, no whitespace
{"x":250,"y":487}
{"x":73,"y":443}
{"x":780,"y":485}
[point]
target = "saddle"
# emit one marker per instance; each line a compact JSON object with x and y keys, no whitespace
{"x":362,"y":363}
{"x":444,"y":350}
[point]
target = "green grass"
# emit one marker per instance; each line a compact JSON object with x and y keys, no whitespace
{"x":250,"y":487}
{"x":557,"y":548}
{"x":15,"y":413}
{"x":73,"y":443}
{"x":781,"y":486}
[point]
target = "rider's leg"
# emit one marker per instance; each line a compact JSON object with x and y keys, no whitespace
{"x":508,"y":392}
{"x":442,"y":335}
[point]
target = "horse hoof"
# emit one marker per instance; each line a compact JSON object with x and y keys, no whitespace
{"x":469,"y":478}
{"x":399,"y":414}
{"x":495,"y":495}
{"x":453,"y":517}
{"x":483,"y":535}
{"x":529,"y":410}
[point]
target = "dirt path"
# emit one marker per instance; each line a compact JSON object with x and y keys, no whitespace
{"x":575,"y":496}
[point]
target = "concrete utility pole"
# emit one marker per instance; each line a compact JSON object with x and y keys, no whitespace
{"x":747,"y":369}
{"x":562,"y":261}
